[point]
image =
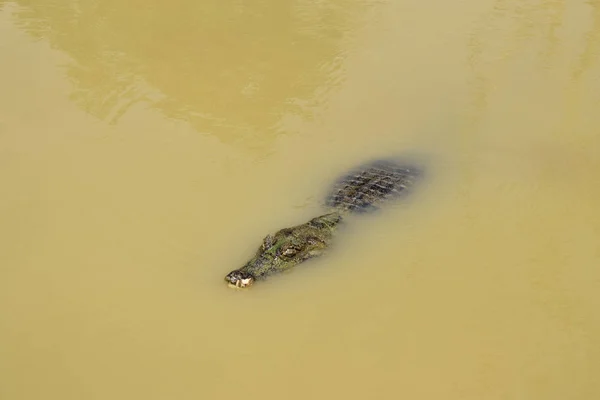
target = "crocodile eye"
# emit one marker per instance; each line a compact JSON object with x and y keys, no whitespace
{"x":314,"y":241}
{"x":290,"y":251}
{"x":267,"y":242}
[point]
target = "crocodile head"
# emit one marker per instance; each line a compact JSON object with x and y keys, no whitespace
{"x":287,"y":248}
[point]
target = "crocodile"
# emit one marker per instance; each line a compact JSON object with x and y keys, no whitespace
{"x":364,"y":189}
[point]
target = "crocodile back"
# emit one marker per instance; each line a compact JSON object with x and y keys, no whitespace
{"x":368,"y":186}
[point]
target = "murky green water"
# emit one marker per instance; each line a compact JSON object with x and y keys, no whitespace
{"x":147,"y":147}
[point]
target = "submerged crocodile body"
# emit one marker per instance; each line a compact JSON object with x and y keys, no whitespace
{"x":364,"y":189}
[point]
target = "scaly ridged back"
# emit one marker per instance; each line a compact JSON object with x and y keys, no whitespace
{"x":369,"y":185}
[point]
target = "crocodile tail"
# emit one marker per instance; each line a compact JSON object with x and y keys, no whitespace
{"x":368,"y":186}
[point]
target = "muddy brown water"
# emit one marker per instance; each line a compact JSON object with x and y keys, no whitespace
{"x":146,"y":148}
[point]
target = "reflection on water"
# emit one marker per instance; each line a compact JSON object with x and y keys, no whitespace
{"x":561,"y":39}
{"x":157,"y":53}
{"x":591,"y":50}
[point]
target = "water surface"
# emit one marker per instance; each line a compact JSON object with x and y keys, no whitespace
{"x":146,"y":148}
